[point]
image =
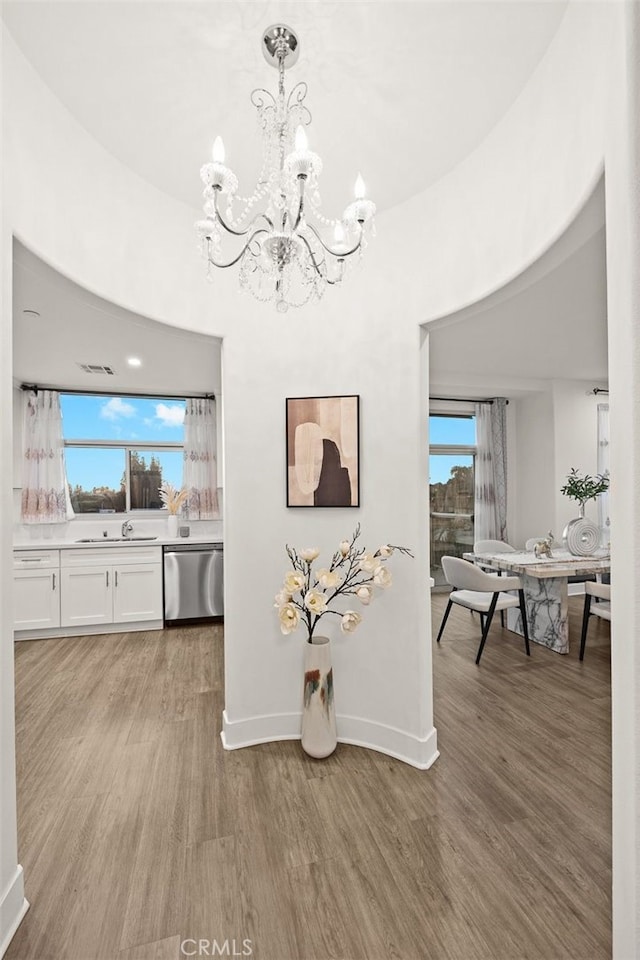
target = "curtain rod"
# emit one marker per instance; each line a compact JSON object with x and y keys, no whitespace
{"x":114,"y":393}
{"x":462,"y":400}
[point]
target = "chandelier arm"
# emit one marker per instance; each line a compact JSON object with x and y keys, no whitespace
{"x":300,"y":213}
{"x":312,"y":256}
{"x":339,"y":254}
{"x":238,"y":233}
{"x":231,"y":263}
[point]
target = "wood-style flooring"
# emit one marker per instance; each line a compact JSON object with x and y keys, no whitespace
{"x":139,"y":833}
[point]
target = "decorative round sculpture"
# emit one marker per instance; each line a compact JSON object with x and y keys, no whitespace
{"x":582,"y":537}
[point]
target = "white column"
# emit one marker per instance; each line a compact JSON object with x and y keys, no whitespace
{"x":622,"y":169}
{"x":12,"y":902}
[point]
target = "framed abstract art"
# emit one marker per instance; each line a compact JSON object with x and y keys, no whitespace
{"x":323,"y":451}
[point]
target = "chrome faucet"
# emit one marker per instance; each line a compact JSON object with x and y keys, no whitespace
{"x":127,"y":527}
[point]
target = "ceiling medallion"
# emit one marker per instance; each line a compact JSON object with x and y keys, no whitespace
{"x":278,"y":229}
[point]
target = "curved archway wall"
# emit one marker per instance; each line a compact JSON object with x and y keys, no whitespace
{"x":96,"y":222}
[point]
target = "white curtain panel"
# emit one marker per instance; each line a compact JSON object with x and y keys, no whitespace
{"x":45,"y":495}
{"x":603,"y":467}
{"x":490,"y":507}
{"x":199,"y":474}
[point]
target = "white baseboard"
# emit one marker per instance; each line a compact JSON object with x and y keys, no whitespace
{"x":420,"y":752}
{"x":88,"y":630}
{"x":13,"y":907}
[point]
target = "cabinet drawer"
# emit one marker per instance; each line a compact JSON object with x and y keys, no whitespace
{"x":35,"y":559}
{"x":109,"y":556}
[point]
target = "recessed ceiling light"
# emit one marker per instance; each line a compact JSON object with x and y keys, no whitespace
{"x":134,"y":362}
{"x":31,"y":313}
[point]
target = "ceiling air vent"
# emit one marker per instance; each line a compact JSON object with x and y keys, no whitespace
{"x":96,"y":368}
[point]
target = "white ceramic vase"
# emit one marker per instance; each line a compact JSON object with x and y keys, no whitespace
{"x":581,"y":536}
{"x":319,"y":736}
{"x":172,"y":525}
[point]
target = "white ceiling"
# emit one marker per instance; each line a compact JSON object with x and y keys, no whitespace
{"x":154,"y":82}
{"x":76,"y":327}
{"x":548,"y":323}
{"x":401,"y":91}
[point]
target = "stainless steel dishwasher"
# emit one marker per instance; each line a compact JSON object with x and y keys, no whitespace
{"x":193,"y":581}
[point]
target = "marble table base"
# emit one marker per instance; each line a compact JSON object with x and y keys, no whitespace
{"x":546,"y":600}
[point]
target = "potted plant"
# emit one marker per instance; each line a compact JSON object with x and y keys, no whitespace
{"x":173,"y":500}
{"x":582,"y":536}
{"x":584,"y":488}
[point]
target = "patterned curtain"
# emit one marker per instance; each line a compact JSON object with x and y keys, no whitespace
{"x":490,"y":507}
{"x":45,"y":494}
{"x":603,"y":467}
{"x":199,"y":472}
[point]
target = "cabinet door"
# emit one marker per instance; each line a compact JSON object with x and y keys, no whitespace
{"x":36,"y":599}
{"x":86,"y":596}
{"x":137,"y":592}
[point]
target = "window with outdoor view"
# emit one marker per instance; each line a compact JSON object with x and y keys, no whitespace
{"x":119,"y":450}
{"x":452,"y":450}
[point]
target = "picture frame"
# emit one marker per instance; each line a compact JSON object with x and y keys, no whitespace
{"x":323,"y":451}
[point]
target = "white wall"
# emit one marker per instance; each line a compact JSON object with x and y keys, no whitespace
{"x":481,"y":225}
{"x":622,"y":170}
{"x":556,"y":429}
{"x":533,"y":487}
{"x":576,"y":442}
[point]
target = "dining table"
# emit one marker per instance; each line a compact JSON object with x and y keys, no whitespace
{"x":545,"y":582}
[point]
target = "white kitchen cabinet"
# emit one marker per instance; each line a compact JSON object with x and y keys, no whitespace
{"x":86,"y":596}
{"x":137,"y":592}
{"x":36,"y":590}
{"x":105,"y":586}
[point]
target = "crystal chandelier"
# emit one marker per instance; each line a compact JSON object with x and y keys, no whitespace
{"x":281,"y":250}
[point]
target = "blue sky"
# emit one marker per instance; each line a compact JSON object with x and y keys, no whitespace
{"x":456,"y":430}
{"x":119,"y":418}
{"x":137,"y":418}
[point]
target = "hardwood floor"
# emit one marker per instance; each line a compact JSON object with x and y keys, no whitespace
{"x":138,"y":831}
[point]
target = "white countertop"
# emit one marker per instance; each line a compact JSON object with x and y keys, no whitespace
{"x":159,"y":541}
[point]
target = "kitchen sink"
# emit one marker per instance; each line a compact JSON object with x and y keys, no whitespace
{"x":113,"y":539}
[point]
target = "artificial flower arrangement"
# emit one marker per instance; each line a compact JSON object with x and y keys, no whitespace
{"x":171,"y":498}
{"x":306,"y":595}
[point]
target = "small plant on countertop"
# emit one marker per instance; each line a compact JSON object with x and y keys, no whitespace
{"x":172,"y":498}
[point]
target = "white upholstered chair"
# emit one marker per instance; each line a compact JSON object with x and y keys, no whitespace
{"x":480,"y":591}
{"x":493,"y":546}
{"x":602,"y":593}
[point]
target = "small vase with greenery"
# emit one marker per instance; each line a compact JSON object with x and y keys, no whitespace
{"x":584,"y":488}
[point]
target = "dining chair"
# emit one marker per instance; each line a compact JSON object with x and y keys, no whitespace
{"x":602,"y":608}
{"x":476,"y":590}
{"x":493,"y":546}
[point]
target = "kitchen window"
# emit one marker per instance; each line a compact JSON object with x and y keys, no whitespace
{"x":452,"y":452}
{"x":119,"y":450}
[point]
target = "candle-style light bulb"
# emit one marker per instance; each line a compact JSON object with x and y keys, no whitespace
{"x":218,"y":150}
{"x":360,"y":190}
{"x":301,"y":140}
